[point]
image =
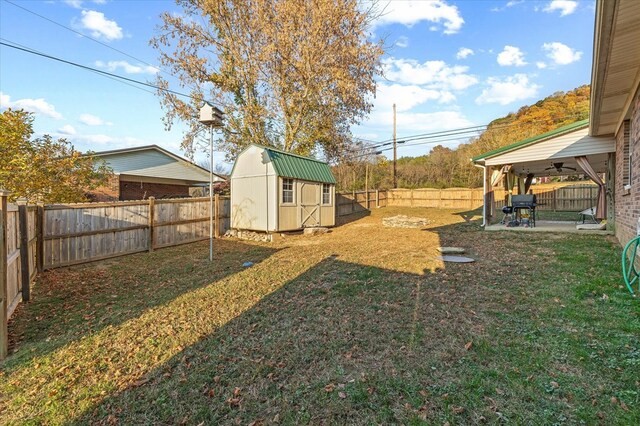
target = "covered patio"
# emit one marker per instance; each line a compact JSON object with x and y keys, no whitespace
{"x":566,"y":151}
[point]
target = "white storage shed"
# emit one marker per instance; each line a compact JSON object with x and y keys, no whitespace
{"x":274,"y":191}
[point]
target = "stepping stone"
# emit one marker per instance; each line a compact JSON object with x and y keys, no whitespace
{"x":451,"y":250}
{"x":455,"y":259}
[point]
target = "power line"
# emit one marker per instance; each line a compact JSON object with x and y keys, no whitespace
{"x":84,"y":35}
{"x":471,"y":128}
{"x":109,"y":77}
{"x":13,"y":45}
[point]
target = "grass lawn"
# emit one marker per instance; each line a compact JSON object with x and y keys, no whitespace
{"x":359,"y":326}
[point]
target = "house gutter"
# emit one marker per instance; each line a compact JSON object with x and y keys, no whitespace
{"x":484,"y":193}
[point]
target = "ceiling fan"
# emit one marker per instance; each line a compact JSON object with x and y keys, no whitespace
{"x":559,"y":168}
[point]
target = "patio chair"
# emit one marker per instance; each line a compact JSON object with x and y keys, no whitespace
{"x":589,"y":213}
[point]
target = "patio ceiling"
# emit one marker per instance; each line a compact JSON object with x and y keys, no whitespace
{"x":540,"y":155}
{"x":615,"y":75}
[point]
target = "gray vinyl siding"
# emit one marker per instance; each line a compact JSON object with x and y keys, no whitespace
{"x":152,"y":163}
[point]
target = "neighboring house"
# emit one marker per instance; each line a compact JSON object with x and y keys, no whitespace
{"x":273,"y":191}
{"x":146,"y":171}
{"x":609,"y":143}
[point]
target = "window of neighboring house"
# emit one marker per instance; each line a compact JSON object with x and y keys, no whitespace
{"x":626,"y":155}
{"x":326,"y":194}
{"x":287,"y":191}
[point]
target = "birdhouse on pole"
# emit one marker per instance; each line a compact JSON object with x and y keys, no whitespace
{"x":210,"y":115}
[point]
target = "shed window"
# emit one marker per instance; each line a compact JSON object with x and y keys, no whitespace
{"x":326,"y":194}
{"x":287,"y":191}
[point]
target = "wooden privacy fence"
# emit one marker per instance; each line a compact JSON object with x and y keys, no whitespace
{"x":570,"y":198}
{"x":35,"y":238}
{"x":561,"y":198}
{"x":348,"y":203}
{"x":450,"y":198}
{"x":80,"y":233}
{"x":18,"y":238}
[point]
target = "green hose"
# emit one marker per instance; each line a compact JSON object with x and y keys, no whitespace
{"x":629,"y":270}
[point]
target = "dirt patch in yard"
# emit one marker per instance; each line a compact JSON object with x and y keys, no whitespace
{"x":359,"y":326}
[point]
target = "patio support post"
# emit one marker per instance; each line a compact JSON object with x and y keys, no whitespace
{"x":488,"y":195}
{"x":610,"y":184}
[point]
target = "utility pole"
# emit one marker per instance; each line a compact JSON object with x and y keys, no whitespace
{"x":395,"y":153}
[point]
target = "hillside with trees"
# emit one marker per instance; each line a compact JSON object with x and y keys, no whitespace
{"x":445,"y":167}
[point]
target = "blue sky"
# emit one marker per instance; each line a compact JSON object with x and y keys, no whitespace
{"x":449,"y":64}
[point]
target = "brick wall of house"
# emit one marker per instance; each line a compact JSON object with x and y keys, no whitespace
{"x":628,"y":202}
{"x":108,"y":192}
{"x":142,"y":191}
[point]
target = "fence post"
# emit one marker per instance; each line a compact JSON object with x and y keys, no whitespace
{"x":40,"y":237}
{"x":216,"y":215}
{"x":553,"y":198}
{"x":377,"y":198}
{"x":152,"y":208}
{"x":24,"y":248}
{"x":353,"y":201}
{"x":4,"y":332}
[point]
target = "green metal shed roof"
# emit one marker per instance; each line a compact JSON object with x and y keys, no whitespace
{"x":557,"y":132}
{"x":295,"y":166}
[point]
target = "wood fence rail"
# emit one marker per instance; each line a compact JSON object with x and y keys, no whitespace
{"x":359,"y":201}
{"x":80,"y":233}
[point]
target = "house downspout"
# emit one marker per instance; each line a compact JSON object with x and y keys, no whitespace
{"x":484,"y":193}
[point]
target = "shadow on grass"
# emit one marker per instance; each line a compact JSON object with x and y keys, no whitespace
{"x":341,"y":343}
{"x":349,"y":218}
{"x":72,"y":303}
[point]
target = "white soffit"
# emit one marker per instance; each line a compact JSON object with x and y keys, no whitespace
{"x":569,"y":145}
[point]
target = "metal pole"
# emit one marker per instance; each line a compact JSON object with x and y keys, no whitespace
{"x":395,"y":155}
{"x":211,"y":195}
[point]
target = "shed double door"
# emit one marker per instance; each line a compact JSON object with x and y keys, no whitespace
{"x":309,"y":205}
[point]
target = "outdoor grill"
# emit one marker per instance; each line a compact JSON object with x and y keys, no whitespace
{"x":522,"y":202}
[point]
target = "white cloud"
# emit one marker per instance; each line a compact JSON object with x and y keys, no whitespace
{"x":92,"y":120}
{"x":541,"y":65}
{"x":74,"y":3}
{"x":508,"y":90}
{"x":509,"y":4}
{"x":127,"y":67}
{"x":38,"y":106}
{"x":67,"y":129}
{"x":434,"y":74}
{"x":560,"y":53}
{"x":95,"y":139}
{"x":409,"y":13}
{"x":566,"y":7}
{"x":511,"y":56}
{"x":463,"y":53}
{"x":100,"y":26}
{"x":402,"y":41}
{"x":407,"y":96}
{"x":415,"y":122}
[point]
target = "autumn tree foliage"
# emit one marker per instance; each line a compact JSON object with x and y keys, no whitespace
{"x":43,"y":168}
{"x":293,"y":74}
